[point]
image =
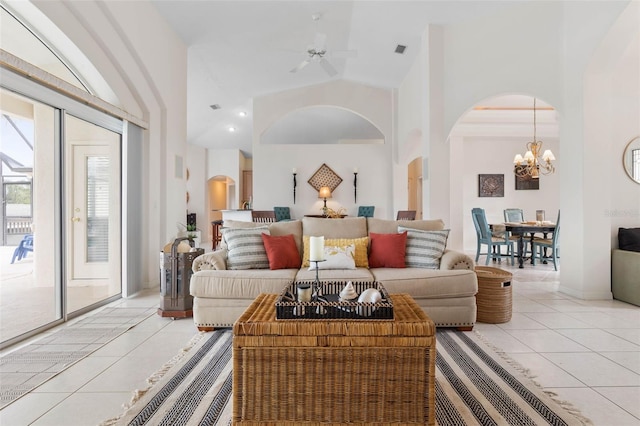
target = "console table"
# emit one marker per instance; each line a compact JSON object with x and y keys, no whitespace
{"x":334,"y":371}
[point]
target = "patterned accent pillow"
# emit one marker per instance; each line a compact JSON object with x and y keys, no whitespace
{"x":337,"y":258}
{"x":245,"y":248}
{"x":361,"y":254}
{"x":424,"y":248}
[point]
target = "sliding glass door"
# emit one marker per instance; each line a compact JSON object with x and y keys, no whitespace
{"x":30,"y":292}
{"x":61,"y":208}
{"x":93,"y":207}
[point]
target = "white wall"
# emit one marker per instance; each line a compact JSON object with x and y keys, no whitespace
{"x":144,"y":62}
{"x":273,"y":179}
{"x":507,"y":53}
{"x":273,"y":164}
{"x":196,"y":185}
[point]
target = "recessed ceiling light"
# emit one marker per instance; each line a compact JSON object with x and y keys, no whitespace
{"x":215,"y":106}
{"x":242,"y":113}
{"x":400,"y":49}
{"x":232,"y":129}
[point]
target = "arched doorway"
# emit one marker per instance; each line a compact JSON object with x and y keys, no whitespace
{"x":221,"y":195}
{"x":487,"y":138}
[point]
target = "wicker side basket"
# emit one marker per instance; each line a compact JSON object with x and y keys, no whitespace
{"x":494,"y":298}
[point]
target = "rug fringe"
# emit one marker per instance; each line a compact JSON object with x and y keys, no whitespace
{"x":567,"y":405}
{"x":155,"y":378}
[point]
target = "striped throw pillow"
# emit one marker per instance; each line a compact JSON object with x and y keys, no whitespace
{"x":424,"y":248}
{"x":245,"y":248}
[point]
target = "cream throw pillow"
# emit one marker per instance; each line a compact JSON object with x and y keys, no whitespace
{"x":337,"y":258}
{"x":361,"y":256}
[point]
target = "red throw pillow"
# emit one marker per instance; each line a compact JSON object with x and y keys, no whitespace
{"x":387,"y":250}
{"x":281,"y":251}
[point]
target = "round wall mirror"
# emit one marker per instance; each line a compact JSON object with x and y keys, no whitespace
{"x":631,"y":159}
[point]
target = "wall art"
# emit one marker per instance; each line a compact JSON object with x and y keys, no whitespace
{"x":324,"y":176}
{"x":491,"y":185}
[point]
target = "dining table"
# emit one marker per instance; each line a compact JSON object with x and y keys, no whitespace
{"x":531,"y":228}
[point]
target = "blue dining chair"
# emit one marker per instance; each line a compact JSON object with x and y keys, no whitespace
{"x":282,"y":213}
{"x":542,"y":245}
{"x":366,"y":211}
{"x":485,"y":237}
{"x":517,"y":215}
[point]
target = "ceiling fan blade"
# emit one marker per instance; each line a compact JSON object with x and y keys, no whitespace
{"x":326,"y":65}
{"x":300,"y":65}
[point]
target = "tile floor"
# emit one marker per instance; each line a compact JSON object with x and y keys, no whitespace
{"x":587,"y":352}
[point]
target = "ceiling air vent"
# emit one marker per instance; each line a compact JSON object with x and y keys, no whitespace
{"x":215,"y":107}
{"x":400,"y":49}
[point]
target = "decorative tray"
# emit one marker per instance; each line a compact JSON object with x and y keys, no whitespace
{"x":329,"y":306}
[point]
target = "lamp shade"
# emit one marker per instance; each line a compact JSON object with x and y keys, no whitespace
{"x":548,"y":156}
{"x":518,"y":159}
{"x":324,"y":192}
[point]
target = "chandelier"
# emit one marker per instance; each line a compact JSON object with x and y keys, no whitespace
{"x":533,"y":164}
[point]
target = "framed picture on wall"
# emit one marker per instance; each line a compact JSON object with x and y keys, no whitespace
{"x":491,"y":185}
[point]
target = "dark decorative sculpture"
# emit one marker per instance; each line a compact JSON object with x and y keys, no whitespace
{"x":355,"y":185}
{"x":295,"y":183}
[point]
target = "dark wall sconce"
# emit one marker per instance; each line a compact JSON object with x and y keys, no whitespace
{"x":295,"y":172}
{"x":355,"y":184}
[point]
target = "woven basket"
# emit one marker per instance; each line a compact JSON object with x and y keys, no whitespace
{"x":494,"y":297}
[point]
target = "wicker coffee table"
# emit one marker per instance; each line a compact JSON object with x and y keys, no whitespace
{"x":333,"y":371}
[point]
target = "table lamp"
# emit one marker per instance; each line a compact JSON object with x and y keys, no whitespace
{"x":324,"y":193}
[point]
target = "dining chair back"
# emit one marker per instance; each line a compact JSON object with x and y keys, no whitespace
{"x":485,"y":237}
{"x":406,"y":215}
{"x":513,"y":215}
{"x":547,"y":248}
{"x":366,"y":211}
{"x":517,"y":215}
{"x":263,"y":216}
{"x":282,"y":213}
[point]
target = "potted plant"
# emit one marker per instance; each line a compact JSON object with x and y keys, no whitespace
{"x":192,"y":232}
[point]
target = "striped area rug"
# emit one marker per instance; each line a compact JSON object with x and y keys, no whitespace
{"x":473,"y":386}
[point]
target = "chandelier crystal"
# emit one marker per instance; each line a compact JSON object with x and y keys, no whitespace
{"x":532,"y":164}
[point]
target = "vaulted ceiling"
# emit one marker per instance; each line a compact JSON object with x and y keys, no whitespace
{"x":238,"y":50}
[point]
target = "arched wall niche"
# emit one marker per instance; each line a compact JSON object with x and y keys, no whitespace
{"x":322,"y":124}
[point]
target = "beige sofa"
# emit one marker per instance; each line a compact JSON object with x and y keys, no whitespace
{"x":447,"y":294}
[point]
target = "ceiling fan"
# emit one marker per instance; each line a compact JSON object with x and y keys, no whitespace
{"x":317,"y":52}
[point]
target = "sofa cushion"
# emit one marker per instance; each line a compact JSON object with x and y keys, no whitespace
{"x":387,"y":250}
{"x":386,"y":226}
{"x":361,"y":245}
{"x":245,"y":248}
{"x":424,"y":248}
{"x":358,"y":274}
{"x":337,"y":257}
{"x":246,"y":284}
{"x":427,"y":283}
{"x":293,"y":227}
{"x":281,"y":251}
{"x":629,"y":239}
{"x":349,"y":227}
